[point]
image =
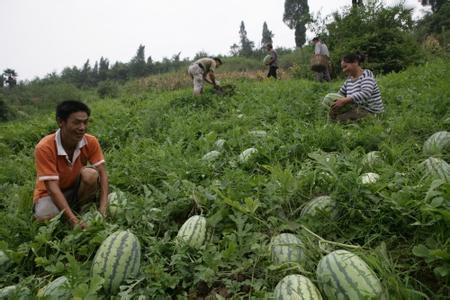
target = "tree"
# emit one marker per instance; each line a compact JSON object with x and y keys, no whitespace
{"x":11,"y":77}
{"x":137,"y":63}
{"x":234,"y":49}
{"x":246,"y":44}
{"x":296,"y":16}
{"x":356,"y":3}
{"x":103,"y":69}
{"x":435,"y":4}
{"x":267,"y":35}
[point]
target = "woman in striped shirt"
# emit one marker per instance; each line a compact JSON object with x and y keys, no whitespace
{"x":361,"y":95}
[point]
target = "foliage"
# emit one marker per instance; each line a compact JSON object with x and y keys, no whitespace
{"x":435,"y":4}
{"x":107,"y":88}
{"x":382,"y":33}
{"x":154,"y":143}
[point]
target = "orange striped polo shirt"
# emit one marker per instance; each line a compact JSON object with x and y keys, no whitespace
{"x":52,"y":161}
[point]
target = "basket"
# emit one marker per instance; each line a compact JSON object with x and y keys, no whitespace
{"x":319,"y":63}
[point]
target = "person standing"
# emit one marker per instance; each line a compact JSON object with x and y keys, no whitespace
{"x":273,"y":62}
{"x":203,"y":70}
{"x":321,"y":48}
{"x":360,"y":93}
{"x":64,"y":181}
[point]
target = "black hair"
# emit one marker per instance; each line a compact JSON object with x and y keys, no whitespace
{"x":354,"y":57}
{"x":218,"y":60}
{"x":269,"y":45}
{"x":65,"y":108}
{"x":316,"y":39}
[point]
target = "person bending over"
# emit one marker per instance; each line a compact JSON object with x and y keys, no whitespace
{"x":203,"y":70}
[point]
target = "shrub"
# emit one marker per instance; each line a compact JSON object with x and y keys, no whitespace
{"x":107,"y":88}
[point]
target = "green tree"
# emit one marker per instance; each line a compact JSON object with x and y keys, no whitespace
{"x":356,"y":3}
{"x":103,"y":69}
{"x":435,"y":4}
{"x":267,"y":35}
{"x":246,"y":44}
{"x":137,"y":63}
{"x":296,"y":16}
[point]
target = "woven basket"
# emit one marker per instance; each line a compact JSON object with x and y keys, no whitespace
{"x":319,"y":63}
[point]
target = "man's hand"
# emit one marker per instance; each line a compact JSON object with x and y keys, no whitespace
{"x":341,"y":102}
{"x":76,"y":222}
{"x":103,"y":210}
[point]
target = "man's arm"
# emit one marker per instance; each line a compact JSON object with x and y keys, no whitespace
{"x":60,"y":200}
{"x":103,"y":175}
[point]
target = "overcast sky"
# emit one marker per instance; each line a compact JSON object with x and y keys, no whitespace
{"x":42,"y":36}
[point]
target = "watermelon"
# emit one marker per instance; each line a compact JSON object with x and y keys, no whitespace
{"x":117,"y":201}
{"x":219,"y":143}
{"x":293,"y":287}
{"x":324,"y":204}
{"x":5,"y":262}
{"x":286,"y":248}
{"x":193,"y":231}
{"x":117,"y":259}
{"x":344,"y":275}
{"x":437,"y":144}
{"x":266,"y":59}
{"x":211,"y":156}
{"x":330,"y":98}
{"x":258,"y":133}
{"x":437,"y":168}
{"x":369,"y":178}
{"x":372,"y":159}
{"x":246,"y":154}
{"x":57,"y":289}
{"x":15,"y":292}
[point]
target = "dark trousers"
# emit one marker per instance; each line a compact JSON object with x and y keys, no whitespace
{"x":272,"y":72}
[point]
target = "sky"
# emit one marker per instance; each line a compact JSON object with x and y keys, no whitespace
{"x":43,"y":36}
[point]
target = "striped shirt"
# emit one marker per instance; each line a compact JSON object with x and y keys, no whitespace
{"x":364,"y":92}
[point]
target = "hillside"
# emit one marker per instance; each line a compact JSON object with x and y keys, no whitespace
{"x":154,"y":143}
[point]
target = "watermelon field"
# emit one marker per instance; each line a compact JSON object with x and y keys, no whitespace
{"x":246,"y":165}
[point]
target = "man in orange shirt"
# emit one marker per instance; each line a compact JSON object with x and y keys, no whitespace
{"x":64,"y":180}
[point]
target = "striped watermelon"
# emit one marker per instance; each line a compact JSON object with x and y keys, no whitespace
{"x":344,"y":275}
{"x":57,"y":289}
{"x":193,"y":231}
{"x":211,"y":156}
{"x":330,"y":98}
{"x":369,"y":178}
{"x":436,"y":167}
{"x":437,"y":143}
{"x":258,"y":133}
{"x":286,"y":248}
{"x":324,"y":204}
{"x":246,"y":154}
{"x":5,"y":262}
{"x":117,"y":259}
{"x":117,"y":201}
{"x":293,"y":287}
{"x":372,"y":159}
{"x":15,"y":292}
{"x":266,"y":59}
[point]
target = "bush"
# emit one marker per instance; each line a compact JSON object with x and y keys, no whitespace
{"x":107,"y":88}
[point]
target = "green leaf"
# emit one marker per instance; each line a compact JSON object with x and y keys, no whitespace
{"x":421,"y":251}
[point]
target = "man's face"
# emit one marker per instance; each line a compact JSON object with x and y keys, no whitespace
{"x":347,"y":68}
{"x":74,"y":128}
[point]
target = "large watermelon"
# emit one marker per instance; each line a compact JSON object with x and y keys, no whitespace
{"x":193,"y":231}
{"x":286,"y":248}
{"x":436,"y":167}
{"x":293,"y":287}
{"x":324,"y":204}
{"x":219,"y":144}
{"x":266,"y":59}
{"x":57,"y":289}
{"x":437,"y":144}
{"x":344,"y":275}
{"x":117,"y":259}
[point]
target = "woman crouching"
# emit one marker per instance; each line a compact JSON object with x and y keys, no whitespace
{"x":360,"y":95}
